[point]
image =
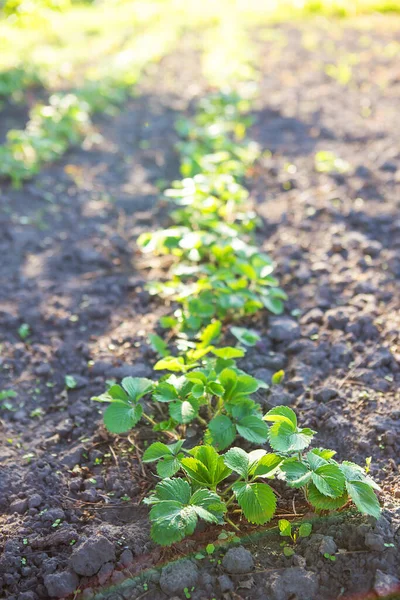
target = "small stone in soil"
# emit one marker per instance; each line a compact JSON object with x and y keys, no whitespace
{"x":225,"y":583}
{"x":293,"y":583}
{"x":35,"y":500}
{"x":284,"y":329}
{"x":375,"y":542}
{"x":325,"y":393}
{"x":385,"y":585}
{"x":59,"y":585}
{"x":91,"y":555}
{"x":19,"y":506}
{"x":238,"y":560}
{"x":178,"y":576}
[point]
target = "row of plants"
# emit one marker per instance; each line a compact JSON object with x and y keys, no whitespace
{"x":218,"y":275}
{"x":66,"y":119}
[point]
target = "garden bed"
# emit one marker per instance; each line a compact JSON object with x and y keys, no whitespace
{"x":73,"y":275}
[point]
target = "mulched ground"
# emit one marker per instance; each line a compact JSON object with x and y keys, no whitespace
{"x":71,"y":271}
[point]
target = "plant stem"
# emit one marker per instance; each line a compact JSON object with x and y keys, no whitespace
{"x":228,"y":520}
{"x":202,"y":421}
{"x":231,"y":499}
{"x":170,"y":434}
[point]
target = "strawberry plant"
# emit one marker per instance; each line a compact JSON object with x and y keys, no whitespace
{"x":217,"y":398}
{"x":217,"y":272}
{"x":236,"y":482}
{"x":327,"y":485}
{"x":218,"y":275}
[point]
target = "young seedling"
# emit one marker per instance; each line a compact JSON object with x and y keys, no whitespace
{"x":70,"y":382}
{"x":286,"y":530}
{"x":24,"y":331}
{"x":330,"y":557}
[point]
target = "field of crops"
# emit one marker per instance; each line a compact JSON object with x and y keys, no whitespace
{"x":199,"y":300}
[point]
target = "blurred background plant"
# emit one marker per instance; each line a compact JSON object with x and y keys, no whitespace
{"x":63,"y":61}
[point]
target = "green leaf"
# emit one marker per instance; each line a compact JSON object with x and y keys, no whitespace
{"x":197,"y":471}
{"x":248,"y":337}
{"x":216,"y":388}
{"x":329,"y":480}
{"x":274,"y":305}
{"x":228,"y":379}
{"x":159,"y":345}
{"x":284,"y":436}
{"x":213,"y":463}
{"x":288,"y":551}
{"x":253,"y":429}
{"x":168,"y":322}
{"x":171,"y":363}
{"x":209,"y":333}
{"x":136,"y":387}
{"x":228,"y":352}
{"x":257,"y":501}
{"x":210,"y":548}
{"x":364,"y":498}
{"x":238,"y":460}
{"x":245,"y":385}
{"x":184,"y":411}
{"x":208,"y":505}
{"x":198,"y":390}
{"x":168,"y":466}
{"x":278,"y":377}
{"x":197,"y":377}
{"x":156,"y":451}
{"x":281,"y":414}
{"x":171,"y":522}
{"x":266,"y":465}
{"x":7,"y":394}
{"x":169,"y":453}
{"x":173,"y":489}
{"x":305,"y":529}
{"x":70,"y":382}
{"x":322,"y":502}
{"x":353,"y":472}
{"x":297,"y":474}
{"x":165,"y":392}
{"x":120,"y":416}
{"x":222,"y":432}
{"x":115,"y":392}
{"x":323,"y":453}
{"x":285,"y":528}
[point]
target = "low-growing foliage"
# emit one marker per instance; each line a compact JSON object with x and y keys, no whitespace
{"x":294,"y":533}
{"x":237,"y":478}
{"x":218,"y":275}
{"x":218,"y":272}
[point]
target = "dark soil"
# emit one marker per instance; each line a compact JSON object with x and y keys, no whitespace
{"x":72,"y":273}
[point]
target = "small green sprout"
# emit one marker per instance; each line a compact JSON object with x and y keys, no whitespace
{"x":56,"y":523}
{"x":36,"y":412}
{"x":70,"y":382}
{"x":330,"y":557}
{"x":278,"y":377}
{"x":286,"y":530}
{"x":24,"y":331}
{"x":210,"y":549}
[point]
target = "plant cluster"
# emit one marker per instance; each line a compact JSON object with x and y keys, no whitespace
{"x":14,"y":81}
{"x":54,"y":127}
{"x":218,"y":273}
